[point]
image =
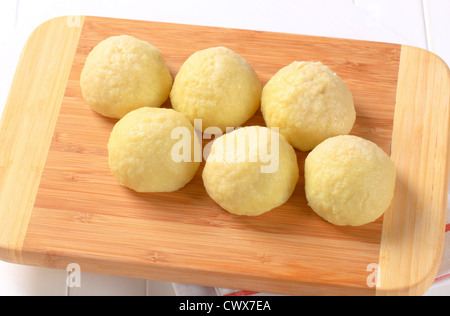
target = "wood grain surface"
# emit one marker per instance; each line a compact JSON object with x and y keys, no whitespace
{"x":82,"y":215}
{"x":413,"y":229}
{"x":27,"y":126}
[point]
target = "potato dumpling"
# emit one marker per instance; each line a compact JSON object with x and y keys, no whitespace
{"x":349,"y":181}
{"x":141,"y":151}
{"x":122,"y":74}
{"x":251,"y":171}
{"x":309,"y":103}
{"x":217,"y":86}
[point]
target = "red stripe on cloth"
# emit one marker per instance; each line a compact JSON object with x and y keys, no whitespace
{"x":241,"y":293}
{"x":442,"y":277}
{"x":447,"y":227}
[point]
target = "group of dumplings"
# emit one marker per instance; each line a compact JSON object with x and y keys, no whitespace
{"x":305,"y":105}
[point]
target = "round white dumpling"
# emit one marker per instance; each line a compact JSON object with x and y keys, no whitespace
{"x":309,"y":103}
{"x":141,"y":150}
{"x":349,"y":180}
{"x":122,"y":74}
{"x":251,"y":171}
{"x":217,"y":86}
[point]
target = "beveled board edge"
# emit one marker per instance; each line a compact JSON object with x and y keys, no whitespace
{"x":27,"y":126}
{"x":411,"y":249}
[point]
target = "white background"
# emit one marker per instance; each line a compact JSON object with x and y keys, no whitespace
{"x":421,"y":23}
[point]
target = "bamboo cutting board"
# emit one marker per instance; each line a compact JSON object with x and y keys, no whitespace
{"x":59,"y":203}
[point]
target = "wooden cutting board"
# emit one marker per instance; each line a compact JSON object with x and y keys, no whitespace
{"x":59,"y":203}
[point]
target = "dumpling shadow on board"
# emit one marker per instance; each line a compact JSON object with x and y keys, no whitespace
{"x":295,"y":219}
{"x":188,"y":204}
{"x":375,"y":129}
{"x":295,"y":216}
{"x":106,"y":120}
{"x":374,"y":108}
{"x":288,"y":217}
